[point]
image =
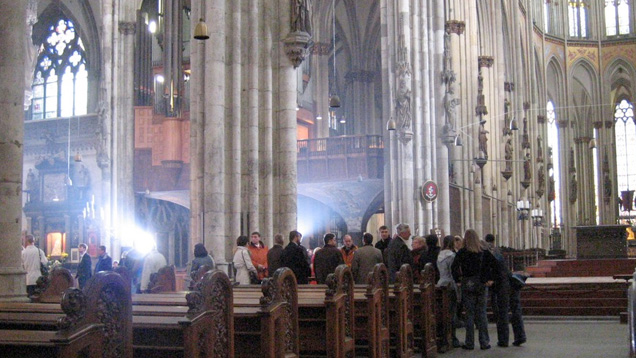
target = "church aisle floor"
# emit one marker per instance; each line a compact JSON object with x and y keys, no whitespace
{"x":556,"y":338}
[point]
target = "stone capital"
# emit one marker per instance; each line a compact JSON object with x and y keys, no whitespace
{"x":455,"y":27}
{"x":321,"y":49}
{"x":485,"y":61}
{"x":540,"y":119}
{"x":562,"y":123}
{"x":126,"y":28}
{"x":509,"y":86}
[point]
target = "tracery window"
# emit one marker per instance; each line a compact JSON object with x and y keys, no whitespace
{"x":616,"y":17}
{"x":553,"y":143}
{"x":625,"y":132}
{"x":578,"y":16}
{"x":60,"y":81}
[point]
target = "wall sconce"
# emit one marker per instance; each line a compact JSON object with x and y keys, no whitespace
{"x":458,"y":141}
{"x":592,"y":144}
{"x":537,"y":217}
{"x":523,"y":207}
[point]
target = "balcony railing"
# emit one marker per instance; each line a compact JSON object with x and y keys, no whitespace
{"x":340,"y":158}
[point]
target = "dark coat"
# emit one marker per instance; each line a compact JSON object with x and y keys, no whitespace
{"x":84,"y":270}
{"x":364,"y":260}
{"x":467,"y":264}
{"x":295,"y":257}
{"x":105,"y":263}
{"x":325,"y":262}
{"x":397,"y":254}
{"x":382,"y":245}
{"x":274,"y":259}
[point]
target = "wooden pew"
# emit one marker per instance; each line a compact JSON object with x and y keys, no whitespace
{"x":326,"y":315}
{"x":206,"y":330}
{"x":95,"y":322}
{"x":163,"y":280}
{"x":372,"y":315}
{"x":402,"y":317}
{"x":424,"y":304}
{"x":50,"y":288}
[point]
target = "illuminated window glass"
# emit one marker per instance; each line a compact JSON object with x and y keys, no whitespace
{"x":60,"y":80}
{"x":625,"y":132}
{"x":616,"y":17}
{"x":553,"y":142}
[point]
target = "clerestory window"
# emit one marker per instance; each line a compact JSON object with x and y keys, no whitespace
{"x":60,"y":80}
{"x":578,"y":18}
{"x":616,"y":17}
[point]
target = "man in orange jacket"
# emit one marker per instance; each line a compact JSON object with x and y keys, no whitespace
{"x":348,"y":249}
{"x":258,"y":251}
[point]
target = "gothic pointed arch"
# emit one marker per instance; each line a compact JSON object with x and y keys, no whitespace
{"x":584,"y":90}
{"x":621,"y":77}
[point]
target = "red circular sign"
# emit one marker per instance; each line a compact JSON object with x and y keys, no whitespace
{"x":429,"y":191}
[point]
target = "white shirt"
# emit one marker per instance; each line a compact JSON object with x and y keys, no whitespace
{"x":31,"y":259}
{"x":152,"y":263}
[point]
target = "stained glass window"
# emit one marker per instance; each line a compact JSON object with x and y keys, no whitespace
{"x":625,"y":132}
{"x":60,"y":81}
{"x":553,"y":143}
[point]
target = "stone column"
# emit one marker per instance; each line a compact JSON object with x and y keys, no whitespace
{"x":12,"y":40}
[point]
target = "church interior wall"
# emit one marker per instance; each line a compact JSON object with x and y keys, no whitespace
{"x":234,"y":145}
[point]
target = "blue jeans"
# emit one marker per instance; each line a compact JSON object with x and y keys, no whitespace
{"x":516,"y":318}
{"x":475,"y":305}
{"x":500,"y":300}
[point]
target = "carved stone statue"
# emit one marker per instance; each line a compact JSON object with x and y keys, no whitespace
{"x":450,"y":105}
{"x":404,"y":104}
{"x":574,"y":190}
{"x":300,"y":16}
{"x":508,"y":154}
{"x":540,"y":180}
{"x":483,"y":141}
{"x":539,"y":149}
{"x":551,"y":189}
{"x":527,"y":172}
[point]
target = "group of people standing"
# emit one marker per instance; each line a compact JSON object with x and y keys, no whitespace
{"x":471,"y":268}
{"x":477,"y":269}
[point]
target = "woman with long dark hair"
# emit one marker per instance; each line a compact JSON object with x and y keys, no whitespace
{"x":473,"y":269}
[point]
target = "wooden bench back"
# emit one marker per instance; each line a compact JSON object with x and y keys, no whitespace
{"x":403,"y":291}
{"x":163,"y":280}
{"x":50,"y":288}
{"x":339,"y":303}
{"x":108,"y":302}
{"x":196,"y":277}
{"x":427,"y":314}
{"x":279,"y":305}
{"x":377,"y":294}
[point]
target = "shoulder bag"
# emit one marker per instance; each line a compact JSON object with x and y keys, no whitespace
{"x":253,"y":276}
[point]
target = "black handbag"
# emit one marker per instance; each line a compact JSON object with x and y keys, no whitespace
{"x":253,"y":275}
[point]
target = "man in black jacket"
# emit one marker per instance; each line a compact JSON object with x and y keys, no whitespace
{"x":84,"y":267}
{"x":398,"y":253}
{"x":295,"y":257}
{"x":327,"y":259}
{"x":274,"y":255}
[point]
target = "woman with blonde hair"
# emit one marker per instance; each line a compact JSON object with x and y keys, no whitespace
{"x":473,"y":269}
